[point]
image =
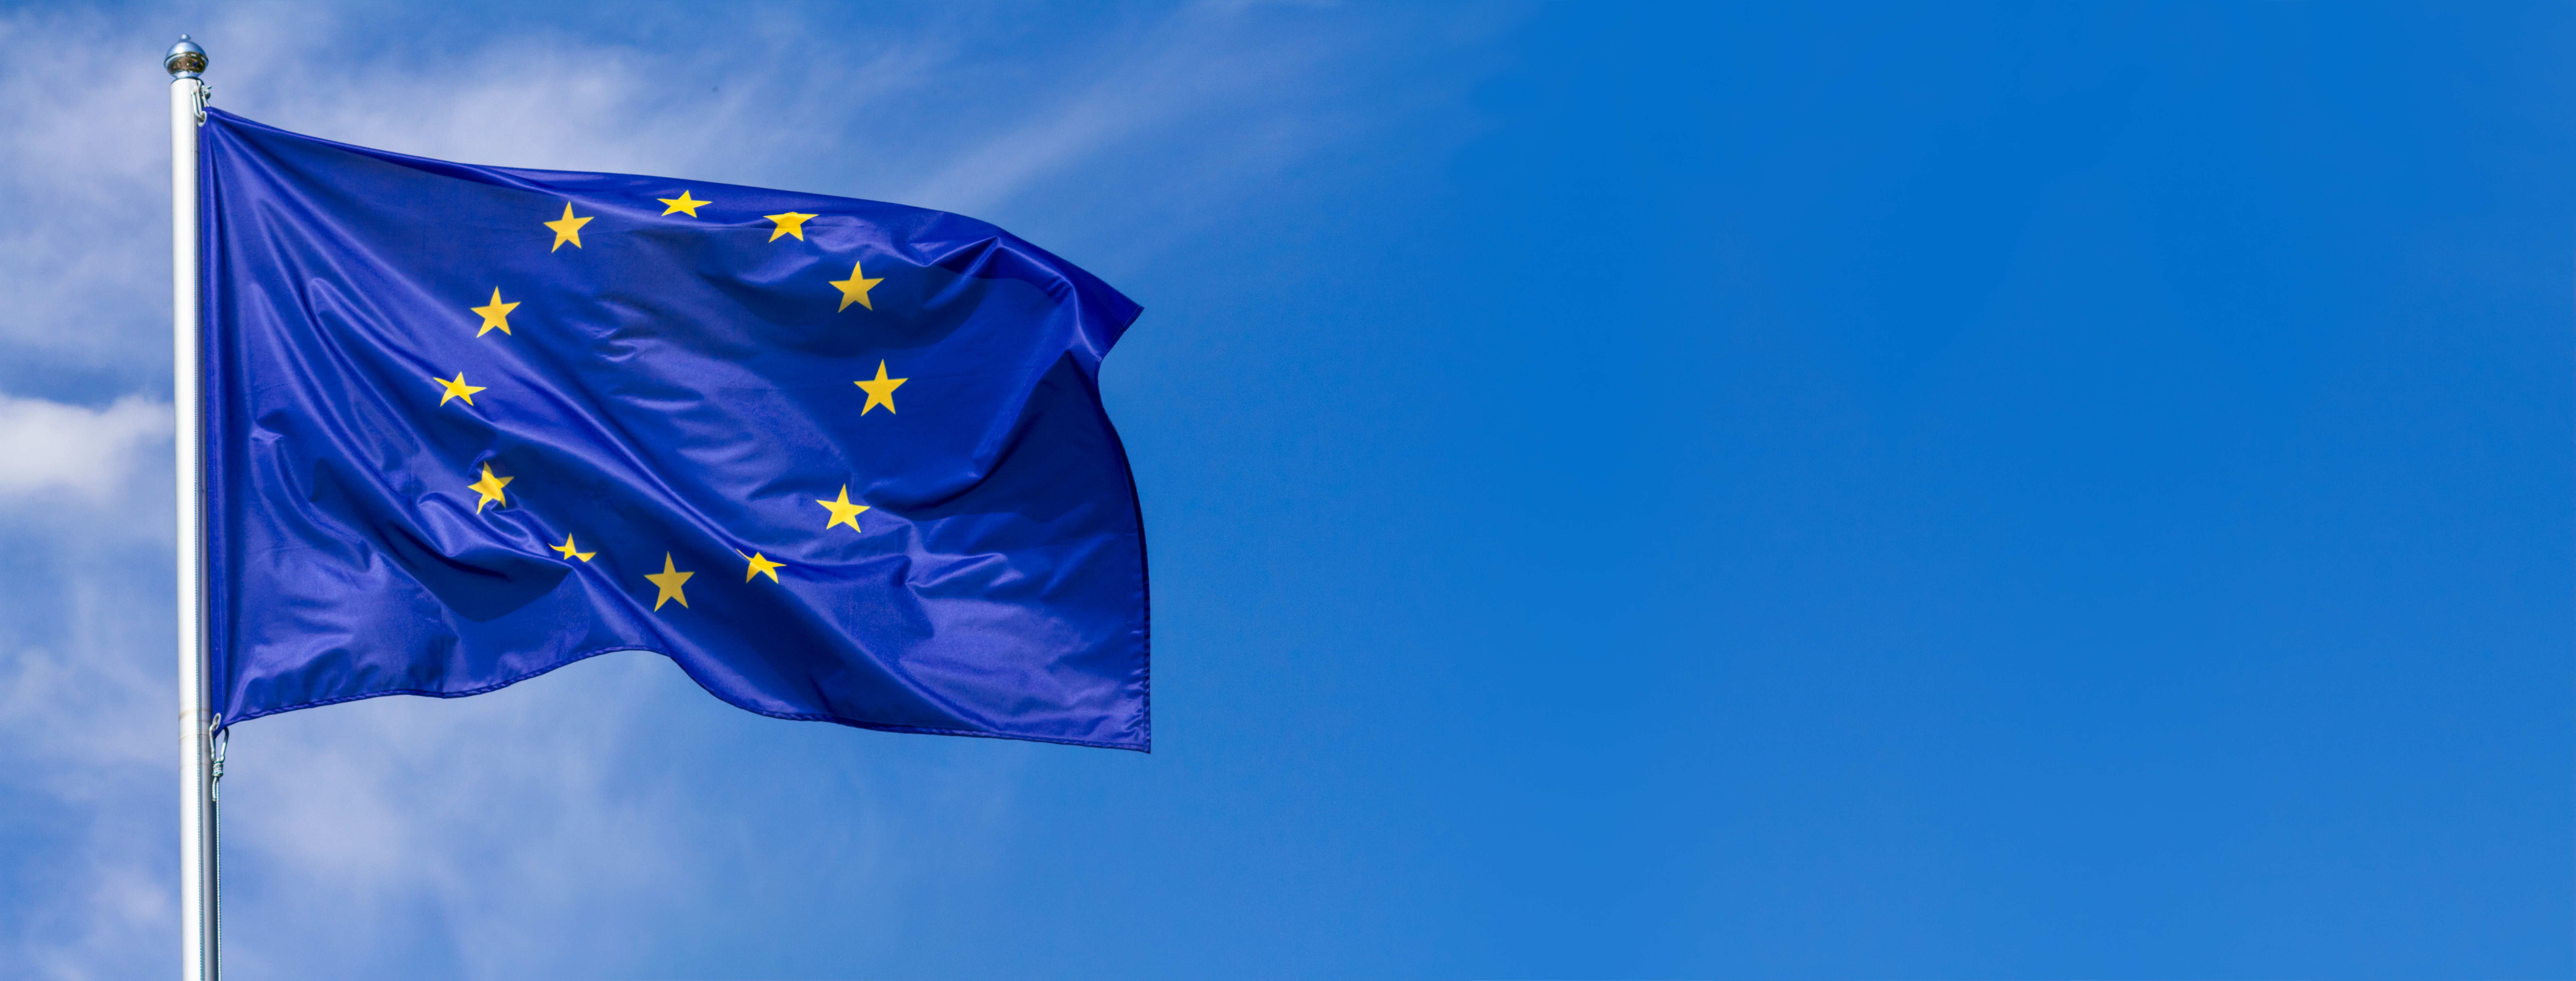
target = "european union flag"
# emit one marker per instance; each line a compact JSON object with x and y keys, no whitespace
{"x":841,"y":460}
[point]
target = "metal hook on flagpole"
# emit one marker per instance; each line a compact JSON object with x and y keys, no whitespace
{"x":187,"y":60}
{"x":220,"y":739}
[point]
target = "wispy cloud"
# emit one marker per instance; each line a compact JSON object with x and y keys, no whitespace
{"x":85,"y":253}
{"x":51,"y":446}
{"x":87,"y":703}
{"x":1200,"y":60}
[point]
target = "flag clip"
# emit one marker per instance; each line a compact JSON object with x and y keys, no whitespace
{"x":217,"y":739}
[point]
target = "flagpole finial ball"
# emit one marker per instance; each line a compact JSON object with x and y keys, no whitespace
{"x":185,"y":59}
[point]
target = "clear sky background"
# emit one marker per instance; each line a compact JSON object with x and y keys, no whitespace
{"x":1860,"y":491}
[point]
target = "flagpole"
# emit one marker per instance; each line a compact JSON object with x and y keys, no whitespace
{"x":196,"y":779}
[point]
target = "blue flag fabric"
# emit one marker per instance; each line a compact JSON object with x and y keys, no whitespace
{"x":841,"y":460}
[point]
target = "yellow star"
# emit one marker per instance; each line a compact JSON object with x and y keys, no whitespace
{"x":568,"y":552}
{"x":497,"y":314}
{"x":490,"y":487}
{"x":843,"y":512}
{"x":681,"y":205}
{"x":855,"y":290}
{"x":791,"y":223}
{"x":760,"y":566}
{"x":880,"y":391}
{"x":457,"y":389}
{"x":668,"y":581}
{"x":568,"y":229}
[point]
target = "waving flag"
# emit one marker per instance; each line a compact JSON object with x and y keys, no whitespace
{"x":841,"y":460}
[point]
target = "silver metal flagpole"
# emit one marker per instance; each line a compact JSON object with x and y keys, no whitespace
{"x":196,"y":778}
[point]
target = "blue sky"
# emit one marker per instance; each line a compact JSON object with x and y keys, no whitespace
{"x":1858,"y":490}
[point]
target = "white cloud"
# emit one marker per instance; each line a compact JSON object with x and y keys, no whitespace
{"x":85,"y":255}
{"x":51,"y":446}
{"x":87,"y":707}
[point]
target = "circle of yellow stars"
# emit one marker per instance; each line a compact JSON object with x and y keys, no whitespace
{"x":670,"y":585}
